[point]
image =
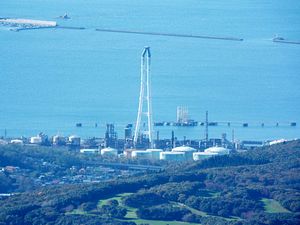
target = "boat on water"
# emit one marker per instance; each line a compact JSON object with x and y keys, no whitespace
{"x":65,"y":16}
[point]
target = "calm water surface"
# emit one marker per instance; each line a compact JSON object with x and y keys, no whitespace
{"x":51,"y":79}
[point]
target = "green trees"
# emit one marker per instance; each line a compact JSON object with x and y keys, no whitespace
{"x":235,"y":187}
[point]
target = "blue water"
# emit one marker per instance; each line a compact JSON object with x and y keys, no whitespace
{"x":53,"y":78}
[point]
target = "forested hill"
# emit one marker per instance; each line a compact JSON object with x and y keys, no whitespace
{"x":256,"y":187}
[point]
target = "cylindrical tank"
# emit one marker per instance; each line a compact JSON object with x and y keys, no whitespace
{"x":203,"y":155}
{"x":141,"y":154}
{"x":109,"y":152}
{"x":58,"y":140}
{"x":155,"y":153}
{"x":36,"y":140}
{"x":218,"y":150}
{"x":188,"y":151}
{"x":74,"y":140}
{"x":173,"y":156}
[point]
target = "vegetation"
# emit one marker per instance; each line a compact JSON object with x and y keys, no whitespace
{"x":256,"y":187}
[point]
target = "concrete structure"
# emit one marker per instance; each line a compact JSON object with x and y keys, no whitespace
{"x":218,"y":150}
{"x":37,"y":23}
{"x":145,"y":95}
{"x":155,"y":153}
{"x":109,"y":152}
{"x":141,"y":154}
{"x":188,"y":151}
{"x":172,"y":156}
{"x":203,"y":155}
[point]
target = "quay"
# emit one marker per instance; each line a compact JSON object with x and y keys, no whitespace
{"x":169,"y":34}
{"x":193,"y":123}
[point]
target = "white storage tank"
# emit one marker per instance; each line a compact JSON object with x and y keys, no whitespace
{"x":141,"y":154}
{"x":203,"y":155}
{"x":173,"y":156}
{"x":89,"y":151}
{"x":109,"y":151}
{"x":35,"y":140}
{"x":188,"y":151}
{"x":155,"y":152}
{"x":74,"y":140}
{"x":58,"y":140}
{"x":17,"y":142}
{"x":218,"y":150}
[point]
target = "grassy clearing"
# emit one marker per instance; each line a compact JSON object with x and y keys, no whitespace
{"x":160,"y":222}
{"x":116,"y":197}
{"x":273,"y":206}
{"x":131,"y":213}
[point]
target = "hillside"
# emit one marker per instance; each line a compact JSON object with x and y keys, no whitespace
{"x":256,"y":187}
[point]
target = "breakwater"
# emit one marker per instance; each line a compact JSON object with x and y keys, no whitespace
{"x":170,"y":34}
{"x":71,"y":28}
{"x":287,"y":42}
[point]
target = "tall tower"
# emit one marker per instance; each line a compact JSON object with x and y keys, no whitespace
{"x":145,"y":95}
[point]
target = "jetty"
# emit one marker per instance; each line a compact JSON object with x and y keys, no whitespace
{"x":169,"y":34}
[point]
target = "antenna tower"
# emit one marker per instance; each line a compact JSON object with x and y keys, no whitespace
{"x":145,"y":95}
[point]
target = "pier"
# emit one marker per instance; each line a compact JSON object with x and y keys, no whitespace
{"x":169,"y":34}
{"x":222,"y":123}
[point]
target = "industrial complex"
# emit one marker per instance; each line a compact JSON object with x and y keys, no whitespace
{"x":139,"y":141}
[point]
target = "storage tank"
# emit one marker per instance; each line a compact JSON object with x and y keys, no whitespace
{"x":155,"y":152}
{"x":58,"y":140}
{"x":203,"y":155}
{"x":109,"y":152}
{"x":140,"y":154}
{"x":218,"y":150}
{"x":173,"y":156}
{"x":188,"y":151}
{"x":74,"y":140}
{"x":89,"y":151}
{"x":35,"y":140}
{"x":17,"y":142}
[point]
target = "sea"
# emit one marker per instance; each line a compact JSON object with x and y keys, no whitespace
{"x":52,"y":79}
